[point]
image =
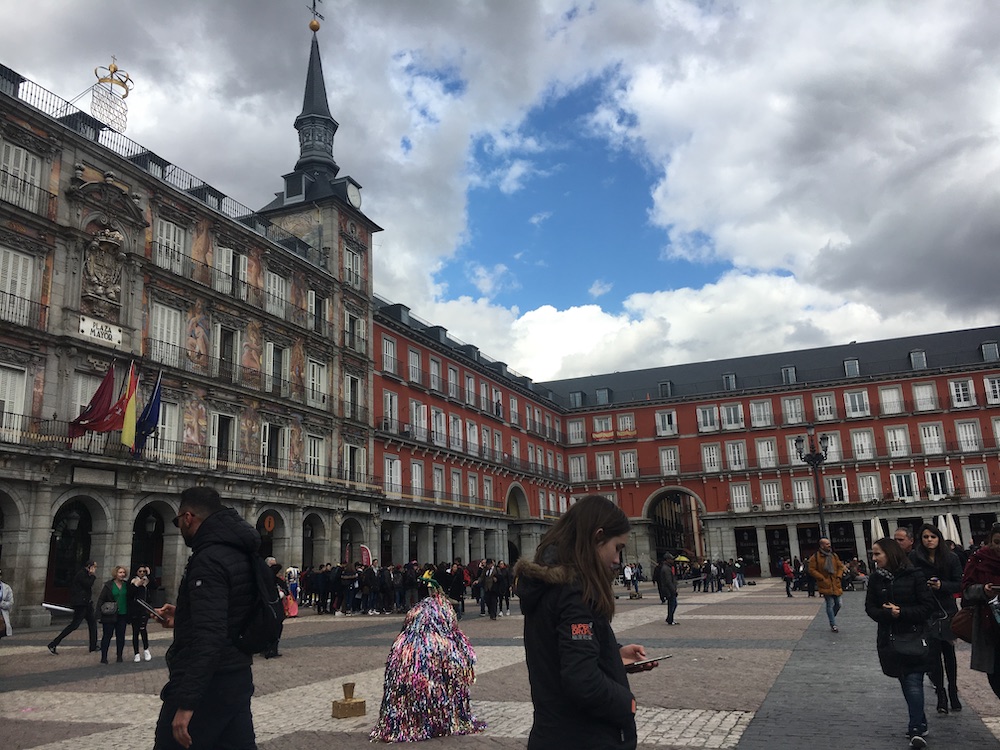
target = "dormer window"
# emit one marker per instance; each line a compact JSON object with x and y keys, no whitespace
{"x":991,"y":353}
{"x":918,"y":359}
{"x":788,"y":374}
{"x":666,"y":389}
{"x":729,"y":381}
{"x":604,"y":395}
{"x":576,"y":399}
{"x":851,"y":368}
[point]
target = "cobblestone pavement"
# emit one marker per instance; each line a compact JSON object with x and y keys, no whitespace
{"x":749,"y":669}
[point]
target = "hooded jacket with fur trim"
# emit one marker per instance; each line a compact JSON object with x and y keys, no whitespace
{"x":579,"y":688}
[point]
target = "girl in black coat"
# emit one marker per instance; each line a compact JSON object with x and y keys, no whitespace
{"x":139,"y":589}
{"x":576,"y":668}
{"x":899,"y":600}
{"x":943,"y":571}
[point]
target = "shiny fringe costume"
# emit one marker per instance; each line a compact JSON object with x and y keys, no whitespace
{"x":427,"y":677}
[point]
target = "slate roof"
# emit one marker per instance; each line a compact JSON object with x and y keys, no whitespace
{"x":876,"y":360}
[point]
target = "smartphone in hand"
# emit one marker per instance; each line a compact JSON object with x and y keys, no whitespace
{"x":152,"y":612}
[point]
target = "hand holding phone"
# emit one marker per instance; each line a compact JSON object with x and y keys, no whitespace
{"x":152,"y":612}
{"x":644,"y":665}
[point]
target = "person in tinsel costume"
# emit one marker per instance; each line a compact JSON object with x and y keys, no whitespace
{"x":430,"y":669}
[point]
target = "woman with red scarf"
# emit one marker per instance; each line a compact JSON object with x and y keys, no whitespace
{"x":980,"y":583}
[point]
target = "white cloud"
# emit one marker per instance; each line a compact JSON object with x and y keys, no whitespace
{"x":599,"y":288}
{"x":491,"y":281}
{"x":838,"y":159}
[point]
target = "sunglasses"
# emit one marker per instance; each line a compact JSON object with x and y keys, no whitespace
{"x":177,"y":518}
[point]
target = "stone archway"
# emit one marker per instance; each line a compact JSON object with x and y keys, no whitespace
{"x":70,"y":548}
{"x":314,"y":540}
{"x":273,"y":535}
{"x":352,"y":536}
{"x":674,"y":517}
{"x":519,"y":514}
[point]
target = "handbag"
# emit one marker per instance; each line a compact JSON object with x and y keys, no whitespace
{"x":961,"y":624}
{"x":910,"y":644}
{"x":109,"y":609}
{"x":939,"y":626}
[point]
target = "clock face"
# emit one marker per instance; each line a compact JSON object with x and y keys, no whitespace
{"x":354,"y":195}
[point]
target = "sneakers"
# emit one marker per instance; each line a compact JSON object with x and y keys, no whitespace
{"x":52,"y":649}
{"x":917,"y":741}
{"x":138,"y":658}
{"x":146,"y":655}
{"x":500,"y":613}
{"x":834,"y":629}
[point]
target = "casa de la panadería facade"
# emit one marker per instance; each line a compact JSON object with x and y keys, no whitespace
{"x":342,"y":426}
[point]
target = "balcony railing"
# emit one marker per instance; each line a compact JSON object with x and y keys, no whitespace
{"x":23,"y":312}
{"x":438,"y":497}
{"x":52,"y":436}
{"x":228,"y":370}
{"x":441,"y":439}
{"x":73,"y":118}
{"x":26,"y":195}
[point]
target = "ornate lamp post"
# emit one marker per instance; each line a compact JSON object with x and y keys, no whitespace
{"x":814,"y":458}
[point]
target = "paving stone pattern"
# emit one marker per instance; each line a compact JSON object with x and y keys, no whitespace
{"x":749,"y":669}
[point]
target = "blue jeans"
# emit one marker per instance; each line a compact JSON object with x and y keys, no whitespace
{"x":913,"y":691}
{"x":832,"y":608}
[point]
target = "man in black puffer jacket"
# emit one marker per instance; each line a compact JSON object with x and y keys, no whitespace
{"x":206,"y":701}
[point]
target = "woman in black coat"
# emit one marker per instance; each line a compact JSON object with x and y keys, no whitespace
{"x":899,"y":600}
{"x":943,"y":571}
{"x":139,"y":589}
{"x":576,"y":667}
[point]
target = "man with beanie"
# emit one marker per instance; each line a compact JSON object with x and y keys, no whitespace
{"x":206,"y":701}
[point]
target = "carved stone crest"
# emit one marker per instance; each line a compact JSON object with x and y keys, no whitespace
{"x":101,"y":291}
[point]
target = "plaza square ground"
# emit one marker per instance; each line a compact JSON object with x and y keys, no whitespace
{"x":749,"y":669}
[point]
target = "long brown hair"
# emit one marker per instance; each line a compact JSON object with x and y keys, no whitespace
{"x":589,"y":522}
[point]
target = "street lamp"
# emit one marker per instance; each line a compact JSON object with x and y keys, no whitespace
{"x":814,"y":458}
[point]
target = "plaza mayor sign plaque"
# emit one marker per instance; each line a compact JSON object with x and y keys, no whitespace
{"x":110,"y":335}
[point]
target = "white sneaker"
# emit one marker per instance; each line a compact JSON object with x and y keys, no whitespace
{"x":138,"y":658}
{"x":500,"y":613}
{"x":145,"y":654}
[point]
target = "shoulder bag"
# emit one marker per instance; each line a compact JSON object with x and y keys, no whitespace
{"x":910,"y":644}
{"x":961,"y":624}
{"x":939,"y":626}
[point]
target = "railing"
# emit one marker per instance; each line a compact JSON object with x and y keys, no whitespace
{"x":68,"y":115}
{"x":355,"y":342}
{"x":53,"y":435}
{"x":354,"y":411}
{"x":230,"y":371}
{"x":26,"y":195}
{"x":441,"y":439}
{"x":428,"y":495}
{"x":23,"y":312}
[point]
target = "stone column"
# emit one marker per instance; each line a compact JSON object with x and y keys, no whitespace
{"x":793,"y":540}
{"x":477,"y":550}
{"x":859,"y":541}
{"x":33,"y":560}
{"x":765,"y":561}
{"x":462,"y":544}
{"x":446,"y":547}
{"x":333,"y":546}
{"x":964,"y":529}
{"x":293,"y":548}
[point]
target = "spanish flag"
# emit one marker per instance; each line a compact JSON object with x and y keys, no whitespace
{"x":128,"y":420}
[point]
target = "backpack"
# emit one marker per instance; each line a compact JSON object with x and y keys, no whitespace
{"x":262,"y":626}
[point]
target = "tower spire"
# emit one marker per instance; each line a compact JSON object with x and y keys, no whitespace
{"x":315,"y":124}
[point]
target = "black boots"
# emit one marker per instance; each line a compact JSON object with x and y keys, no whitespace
{"x":956,"y":704}
{"x":942,"y":700}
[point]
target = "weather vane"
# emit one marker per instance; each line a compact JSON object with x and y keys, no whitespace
{"x":317,"y":16}
{"x":108,"y":104}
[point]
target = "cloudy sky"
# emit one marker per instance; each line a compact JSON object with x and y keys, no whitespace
{"x":582,"y":187}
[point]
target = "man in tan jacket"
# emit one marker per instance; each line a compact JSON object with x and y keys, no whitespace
{"x":825,"y":566}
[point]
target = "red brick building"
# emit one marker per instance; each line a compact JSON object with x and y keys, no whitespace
{"x":702,"y":457}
